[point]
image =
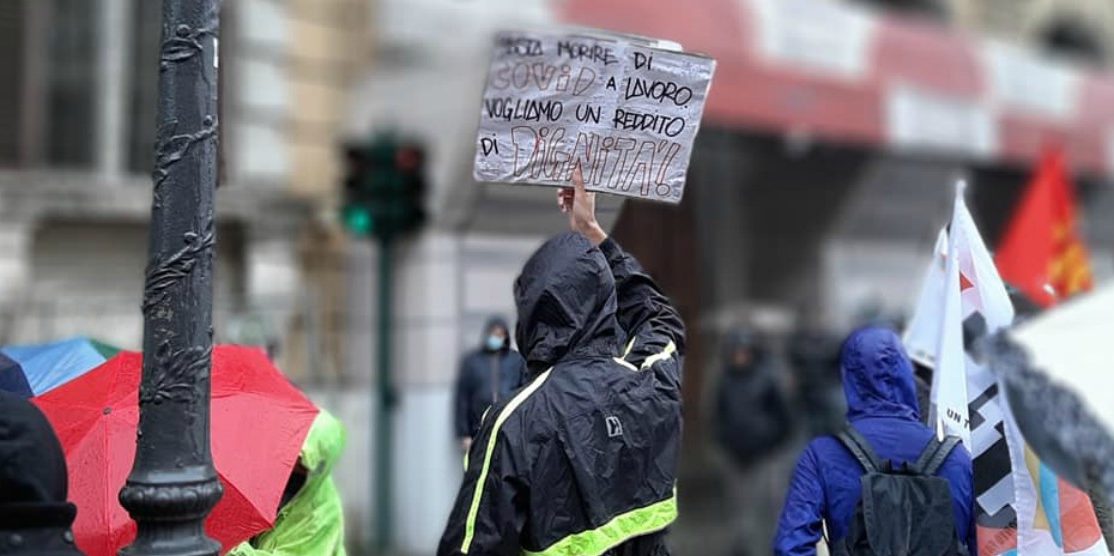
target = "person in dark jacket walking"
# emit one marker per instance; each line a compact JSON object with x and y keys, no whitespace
{"x":583,"y":460}
{"x":35,"y":518}
{"x":487,"y":375}
{"x":753,"y":414}
{"x":882,"y":407}
{"x":814,"y":358}
{"x":755,"y":424}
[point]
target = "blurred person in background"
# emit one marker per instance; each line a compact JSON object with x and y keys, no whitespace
{"x":35,"y":518}
{"x":825,"y":493}
{"x":583,"y":460}
{"x":754,"y":423}
{"x":814,"y":359}
{"x":487,"y":375}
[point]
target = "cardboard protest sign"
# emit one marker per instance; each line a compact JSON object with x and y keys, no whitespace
{"x":624,"y":110}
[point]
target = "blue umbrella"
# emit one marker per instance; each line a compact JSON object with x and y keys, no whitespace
{"x":34,"y":370}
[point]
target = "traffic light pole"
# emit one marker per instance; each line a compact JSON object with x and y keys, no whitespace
{"x":386,"y":401}
{"x":383,"y":189}
{"x":173,"y":485}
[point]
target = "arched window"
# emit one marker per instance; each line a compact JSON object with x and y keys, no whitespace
{"x":936,"y":9}
{"x":1075,"y":40}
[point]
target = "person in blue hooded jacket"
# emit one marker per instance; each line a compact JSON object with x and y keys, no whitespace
{"x":882,"y":407}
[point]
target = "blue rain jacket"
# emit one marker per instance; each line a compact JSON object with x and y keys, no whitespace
{"x":882,"y":406}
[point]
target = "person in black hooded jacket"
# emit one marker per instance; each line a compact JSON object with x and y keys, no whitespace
{"x":752,"y":410}
{"x":754,"y":425}
{"x":487,"y":375}
{"x":35,"y":517}
{"x":582,"y":460}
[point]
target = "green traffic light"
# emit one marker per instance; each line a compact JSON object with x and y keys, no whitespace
{"x":358,"y":220}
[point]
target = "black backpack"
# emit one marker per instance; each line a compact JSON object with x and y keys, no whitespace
{"x":904,"y":510}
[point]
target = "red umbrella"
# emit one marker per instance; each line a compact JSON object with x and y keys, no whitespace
{"x":259,"y":422}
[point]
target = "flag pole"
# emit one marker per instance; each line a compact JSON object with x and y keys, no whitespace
{"x":961,"y":185}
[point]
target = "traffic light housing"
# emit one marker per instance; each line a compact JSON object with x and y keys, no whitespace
{"x":384,"y":188}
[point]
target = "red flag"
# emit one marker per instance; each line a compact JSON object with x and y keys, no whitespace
{"x":1042,"y":249}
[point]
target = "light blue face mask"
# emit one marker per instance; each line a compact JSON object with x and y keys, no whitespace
{"x":494,"y":343}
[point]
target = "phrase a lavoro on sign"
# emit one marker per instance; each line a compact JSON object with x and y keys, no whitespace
{"x":623,"y":110}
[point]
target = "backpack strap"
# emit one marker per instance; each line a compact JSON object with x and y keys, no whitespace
{"x":934,"y":455}
{"x":860,"y":448}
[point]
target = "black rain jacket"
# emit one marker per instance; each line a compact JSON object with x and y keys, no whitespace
{"x":583,"y":460}
{"x":753,"y":417}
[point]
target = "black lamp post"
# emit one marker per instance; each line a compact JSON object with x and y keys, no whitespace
{"x":173,"y":485}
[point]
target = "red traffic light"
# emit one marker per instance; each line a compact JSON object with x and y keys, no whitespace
{"x":408,"y":159}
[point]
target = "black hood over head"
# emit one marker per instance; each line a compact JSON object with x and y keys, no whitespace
{"x":33,"y":483}
{"x":741,"y":338}
{"x":495,"y":321}
{"x":566,"y":303}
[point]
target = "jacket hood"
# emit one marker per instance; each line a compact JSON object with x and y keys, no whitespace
{"x":35,"y":517}
{"x":744,"y":339}
{"x":32,"y":465}
{"x":877,"y":376}
{"x":737,"y":339}
{"x":566,"y":303}
{"x":323,"y":445}
{"x":313,"y":521}
{"x":492,"y":322}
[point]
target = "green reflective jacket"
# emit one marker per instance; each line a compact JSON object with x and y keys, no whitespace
{"x":312,"y":524}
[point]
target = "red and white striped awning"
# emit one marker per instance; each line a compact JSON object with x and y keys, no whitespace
{"x":844,"y":73}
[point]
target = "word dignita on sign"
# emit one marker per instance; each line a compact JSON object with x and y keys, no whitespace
{"x":624,"y":110}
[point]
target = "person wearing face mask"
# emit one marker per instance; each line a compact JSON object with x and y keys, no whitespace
{"x":487,"y":375}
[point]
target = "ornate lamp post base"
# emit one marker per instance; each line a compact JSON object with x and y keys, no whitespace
{"x":174,"y":513}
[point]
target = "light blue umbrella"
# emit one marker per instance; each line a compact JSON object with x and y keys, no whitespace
{"x":33,"y":370}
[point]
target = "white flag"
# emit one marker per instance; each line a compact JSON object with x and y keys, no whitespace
{"x":1019,"y":502}
{"x":974,"y":304}
{"x":949,"y":379}
{"x":922,"y":335}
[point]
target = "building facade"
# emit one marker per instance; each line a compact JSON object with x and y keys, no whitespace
{"x":77,"y":126}
{"x":77,"y":146}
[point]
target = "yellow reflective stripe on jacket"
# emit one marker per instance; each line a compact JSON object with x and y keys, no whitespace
{"x":466,"y":452}
{"x":630,"y":346}
{"x":470,"y":523}
{"x":626,"y":363}
{"x":621,"y":528}
{"x":665,"y":354}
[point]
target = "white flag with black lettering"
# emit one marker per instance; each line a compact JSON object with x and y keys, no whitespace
{"x":1022,"y":508}
{"x":975,"y":303}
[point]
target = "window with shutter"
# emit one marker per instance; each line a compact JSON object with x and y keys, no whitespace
{"x":143,"y":89}
{"x":71,"y":70}
{"x":11,"y":86}
{"x":144,"y":86}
